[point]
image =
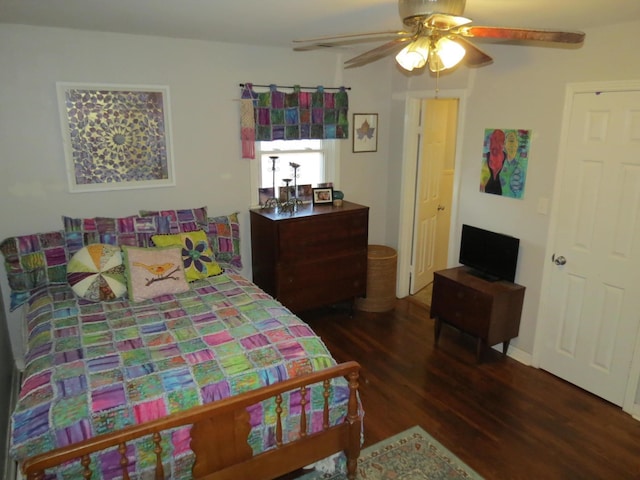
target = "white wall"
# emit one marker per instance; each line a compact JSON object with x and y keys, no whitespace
{"x":365,"y":174}
{"x":203,"y":79}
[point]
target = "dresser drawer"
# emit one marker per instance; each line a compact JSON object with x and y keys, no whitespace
{"x":314,"y":283}
{"x":331,"y":235}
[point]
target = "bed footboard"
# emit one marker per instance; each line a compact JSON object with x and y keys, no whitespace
{"x":219,"y":435}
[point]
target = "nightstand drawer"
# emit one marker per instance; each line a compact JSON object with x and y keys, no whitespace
{"x":461,"y":306}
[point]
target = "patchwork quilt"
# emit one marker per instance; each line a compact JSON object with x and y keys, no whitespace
{"x":93,"y":368}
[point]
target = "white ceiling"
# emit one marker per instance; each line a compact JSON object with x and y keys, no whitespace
{"x":277,"y":22}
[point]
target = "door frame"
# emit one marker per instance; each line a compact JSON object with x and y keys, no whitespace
{"x":408,"y":180}
{"x":544,"y":319}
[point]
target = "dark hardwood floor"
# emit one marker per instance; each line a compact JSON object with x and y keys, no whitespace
{"x":504,"y":419}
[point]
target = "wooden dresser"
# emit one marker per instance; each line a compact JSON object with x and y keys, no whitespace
{"x":314,"y":257}
{"x":488,"y":310}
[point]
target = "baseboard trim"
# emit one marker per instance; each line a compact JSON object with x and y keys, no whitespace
{"x":11,"y":470}
{"x":517,"y":354}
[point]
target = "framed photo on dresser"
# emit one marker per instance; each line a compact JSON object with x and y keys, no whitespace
{"x":322,"y":195}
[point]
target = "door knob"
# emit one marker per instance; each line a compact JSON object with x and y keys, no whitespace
{"x":440,"y":207}
{"x":559,"y":260}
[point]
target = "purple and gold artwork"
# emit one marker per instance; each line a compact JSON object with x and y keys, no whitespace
{"x":505,"y":158}
{"x":116,"y":137}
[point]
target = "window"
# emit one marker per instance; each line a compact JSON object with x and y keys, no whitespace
{"x":318,"y":162}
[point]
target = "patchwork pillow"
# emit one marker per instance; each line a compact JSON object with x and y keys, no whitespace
{"x":135,"y":231}
{"x":185,"y":220}
{"x":152,"y":272}
{"x":224,"y":236}
{"x":197,"y":255}
{"x":96,"y":273}
{"x":34,"y":261}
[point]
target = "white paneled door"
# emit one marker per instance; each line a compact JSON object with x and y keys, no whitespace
{"x":592,"y":310}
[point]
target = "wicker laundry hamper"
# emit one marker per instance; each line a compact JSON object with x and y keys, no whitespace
{"x":381,"y":280}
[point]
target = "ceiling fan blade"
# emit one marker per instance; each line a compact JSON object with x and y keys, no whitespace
{"x":347,"y":39}
{"x":474,"y":57}
{"x":377,"y":53}
{"x":507,"y":33}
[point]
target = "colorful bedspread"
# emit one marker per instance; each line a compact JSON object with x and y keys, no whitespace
{"x":93,"y":368}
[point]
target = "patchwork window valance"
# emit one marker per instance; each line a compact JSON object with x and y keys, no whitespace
{"x":276,"y":115}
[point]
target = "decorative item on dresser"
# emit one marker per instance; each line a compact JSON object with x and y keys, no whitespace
{"x":488,"y":310}
{"x":322,"y":195}
{"x":314,"y":257}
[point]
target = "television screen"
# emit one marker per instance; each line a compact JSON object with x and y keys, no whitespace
{"x":491,"y":255}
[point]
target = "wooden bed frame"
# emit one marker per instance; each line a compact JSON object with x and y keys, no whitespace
{"x":219,"y":435}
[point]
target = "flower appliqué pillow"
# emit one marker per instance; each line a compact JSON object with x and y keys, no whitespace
{"x":197,"y":255}
{"x":152,"y":272}
{"x":96,"y":273}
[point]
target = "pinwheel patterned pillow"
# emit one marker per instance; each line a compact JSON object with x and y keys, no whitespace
{"x":197,"y":255}
{"x":96,"y":273}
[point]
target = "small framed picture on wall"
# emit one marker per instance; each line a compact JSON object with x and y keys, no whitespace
{"x":365,"y":132}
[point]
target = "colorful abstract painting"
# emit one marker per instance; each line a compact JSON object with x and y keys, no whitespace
{"x":116,"y":136}
{"x":505,"y":157}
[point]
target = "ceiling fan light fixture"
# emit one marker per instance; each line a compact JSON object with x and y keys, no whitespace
{"x":410,"y":60}
{"x":437,"y":34}
{"x":414,"y":55}
{"x":449,"y":53}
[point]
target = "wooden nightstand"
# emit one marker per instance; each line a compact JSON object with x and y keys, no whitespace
{"x":487,"y":310}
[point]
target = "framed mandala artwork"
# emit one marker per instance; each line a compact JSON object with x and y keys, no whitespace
{"x":116,"y":136}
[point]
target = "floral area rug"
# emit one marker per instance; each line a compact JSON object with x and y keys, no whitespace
{"x":410,"y":455}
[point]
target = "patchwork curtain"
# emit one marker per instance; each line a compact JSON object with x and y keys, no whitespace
{"x":276,"y":115}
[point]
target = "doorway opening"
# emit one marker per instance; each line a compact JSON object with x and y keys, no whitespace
{"x":429,"y":186}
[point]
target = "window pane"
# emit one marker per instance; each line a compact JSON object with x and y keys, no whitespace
{"x":318,"y":159}
{"x":311,"y":170}
{"x":289,"y":145}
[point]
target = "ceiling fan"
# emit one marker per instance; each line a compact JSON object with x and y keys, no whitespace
{"x":436,"y":35}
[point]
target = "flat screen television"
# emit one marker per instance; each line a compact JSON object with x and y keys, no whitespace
{"x":490,"y":255}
